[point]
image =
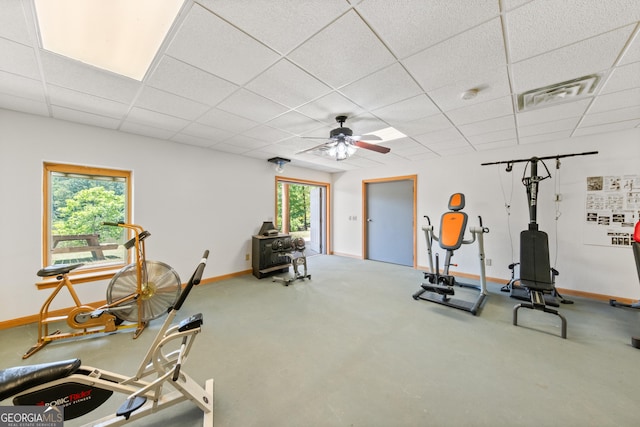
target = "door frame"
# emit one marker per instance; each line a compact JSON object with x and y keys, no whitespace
{"x":327,"y":205}
{"x":414,"y":180}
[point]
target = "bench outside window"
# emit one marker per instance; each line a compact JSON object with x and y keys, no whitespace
{"x":77,"y":201}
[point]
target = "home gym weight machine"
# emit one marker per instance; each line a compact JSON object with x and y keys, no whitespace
{"x":440,"y":287}
{"x":537,"y":278}
{"x":80,"y":389}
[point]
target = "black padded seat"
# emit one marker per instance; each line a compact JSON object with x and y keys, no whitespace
{"x":20,"y":378}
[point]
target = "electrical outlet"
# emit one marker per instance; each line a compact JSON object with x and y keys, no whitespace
{"x":246,"y":257}
{"x":488,"y":262}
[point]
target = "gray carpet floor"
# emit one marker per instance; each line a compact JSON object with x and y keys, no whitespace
{"x":350,"y":347}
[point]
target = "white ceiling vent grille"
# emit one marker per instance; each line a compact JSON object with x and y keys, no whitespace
{"x":559,"y":92}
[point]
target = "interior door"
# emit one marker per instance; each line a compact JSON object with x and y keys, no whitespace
{"x":389,"y":221}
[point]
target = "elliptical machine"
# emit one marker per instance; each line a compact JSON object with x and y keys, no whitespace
{"x":440,"y":287}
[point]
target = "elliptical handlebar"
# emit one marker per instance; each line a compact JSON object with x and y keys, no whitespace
{"x":193,"y":281}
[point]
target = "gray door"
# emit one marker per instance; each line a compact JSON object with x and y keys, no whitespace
{"x":389,"y":221}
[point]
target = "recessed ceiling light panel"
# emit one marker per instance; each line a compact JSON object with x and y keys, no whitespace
{"x":122,"y":36}
{"x":559,"y":92}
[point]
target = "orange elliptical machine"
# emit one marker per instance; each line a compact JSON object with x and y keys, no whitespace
{"x":440,"y":286}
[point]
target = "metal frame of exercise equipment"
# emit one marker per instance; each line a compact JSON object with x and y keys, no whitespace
{"x":538,"y":279}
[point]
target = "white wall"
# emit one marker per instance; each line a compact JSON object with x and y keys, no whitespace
{"x":587,"y":268}
{"x":189,"y":198}
{"x":192,"y":199}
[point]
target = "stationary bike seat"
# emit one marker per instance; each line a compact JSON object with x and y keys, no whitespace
{"x":20,"y":378}
{"x":57,"y":269}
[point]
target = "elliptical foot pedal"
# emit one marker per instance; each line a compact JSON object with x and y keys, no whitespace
{"x":126,"y":409}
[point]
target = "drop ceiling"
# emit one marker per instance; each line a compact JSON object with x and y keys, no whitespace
{"x":255,"y":78}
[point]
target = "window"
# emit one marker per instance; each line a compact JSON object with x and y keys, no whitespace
{"x":77,"y":200}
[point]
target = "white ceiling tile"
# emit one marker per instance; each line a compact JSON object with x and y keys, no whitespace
{"x":544,"y":137}
{"x":482,"y":111}
{"x":480,"y":48}
{"x":266,"y":20}
{"x":490,"y":125}
{"x":455,"y":151}
{"x":491,"y":84}
{"x":512,"y":4}
{"x":423,"y":125}
{"x":548,"y":127}
{"x":326,"y":108}
{"x":61,"y":71}
{"x":624,"y":77}
{"x":423,"y":23}
{"x":267,"y":134}
{"x":587,"y":57}
{"x":153,"y":118}
{"x":499,"y":135}
{"x":189,"y":82}
{"x":230,"y":148}
{"x":384,"y":87}
{"x":230,"y":53}
{"x":255,"y":107}
{"x":16,"y":103}
{"x":183,"y":138}
{"x":554,"y":112}
{"x":245,"y":142}
{"x":144,"y":130}
{"x":13,"y":84}
{"x":78,"y":101}
{"x":287,"y":84}
{"x":407,"y":110}
{"x":294,"y":122}
{"x":406,"y":147}
{"x":611,"y":116}
{"x":168,"y":103}
{"x":215,"y":135}
{"x":441,"y":136}
{"x":541,"y":26}
{"x":12,"y":22}
{"x":17,"y":58}
{"x":613,"y":101}
{"x":607,"y":128}
{"x":633,"y":52}
{"x":338,"y":61}
{"x":222,"y":120}
{"x":83,"y":117}
{"x":496,"y":145}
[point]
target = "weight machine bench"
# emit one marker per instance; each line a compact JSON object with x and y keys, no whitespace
{"x":536,"y":274}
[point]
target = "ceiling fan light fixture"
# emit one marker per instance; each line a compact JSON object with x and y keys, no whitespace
{"x":279,"y":162}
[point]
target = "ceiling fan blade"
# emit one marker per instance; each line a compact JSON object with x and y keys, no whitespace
{"x":373,"y":147}
{"x":317,"y":147}
{"x":367,"y":138}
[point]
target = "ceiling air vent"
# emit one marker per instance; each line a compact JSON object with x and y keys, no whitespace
{"x":559,"y":92}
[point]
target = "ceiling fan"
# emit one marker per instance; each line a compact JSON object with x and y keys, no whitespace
{"x":342,"y":143}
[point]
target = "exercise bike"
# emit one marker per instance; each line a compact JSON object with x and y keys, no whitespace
{"x":139,"y":292}
{"x":80,"y":389}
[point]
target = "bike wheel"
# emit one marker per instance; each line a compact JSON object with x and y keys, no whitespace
{"x":160,"y":291}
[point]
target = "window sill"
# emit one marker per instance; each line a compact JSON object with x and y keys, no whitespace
{"x":82,"y":277}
